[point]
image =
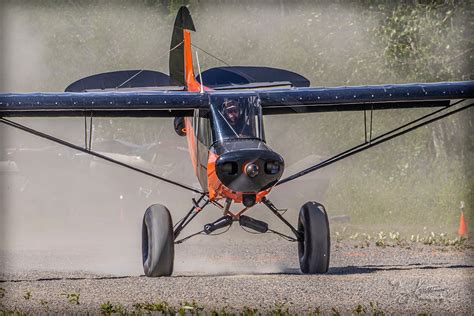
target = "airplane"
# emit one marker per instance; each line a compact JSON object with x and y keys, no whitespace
{"x":220,"y":112}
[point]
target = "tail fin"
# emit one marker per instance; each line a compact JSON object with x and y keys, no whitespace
{"x":181,"y":59}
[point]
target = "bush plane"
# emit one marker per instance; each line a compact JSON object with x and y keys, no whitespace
{"x":220,"y":111}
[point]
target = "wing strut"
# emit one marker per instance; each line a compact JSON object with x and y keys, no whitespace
{"x":380,"y":139}
{"x":88,"y":148}
{"x":93,"y":153}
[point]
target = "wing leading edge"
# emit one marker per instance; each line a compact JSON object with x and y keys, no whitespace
{"x":359,"y":98}
{"x":103,"y":104}
{"x":273,"y":101}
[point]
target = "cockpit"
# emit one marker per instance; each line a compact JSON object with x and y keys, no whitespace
{"x":228,"y":148}
{"x":236,"y":117}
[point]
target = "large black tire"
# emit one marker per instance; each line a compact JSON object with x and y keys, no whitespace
{"x":314,"y":249}
{"x":157,"y":242}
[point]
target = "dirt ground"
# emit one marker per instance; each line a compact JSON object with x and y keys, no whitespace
{"x":234,"y":272}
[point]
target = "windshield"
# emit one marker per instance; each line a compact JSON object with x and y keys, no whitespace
{"x":236,"y":117}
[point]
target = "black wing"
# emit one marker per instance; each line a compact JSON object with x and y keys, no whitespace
{"x":145,"y":103}
{"x":139,"y":103}
{"x":358,"y":98}
{"x":281,"y":101}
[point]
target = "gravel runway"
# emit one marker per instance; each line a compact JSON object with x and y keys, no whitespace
{"x":261,"y":273}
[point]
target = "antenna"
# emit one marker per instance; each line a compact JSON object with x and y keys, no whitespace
{"x":199,"y":71}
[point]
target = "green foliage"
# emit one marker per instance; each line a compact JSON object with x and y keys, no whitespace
{"x":426,"y":41}
{"x":395,"y":239}
{"x":72,"y":298}
{"x":376,"y":311}
{"x":162,"y":307}
{"x":186,"y":308}
{"x":109,"y":309}
{"x":408,"y":194}
{"x":315,"y":311}
{"x":248,"y":311}
{"x":9,"y":312}
{"x":359,"y":309}
{"x":439,"y":240}
{"x":190,"y":308}
{"x":221,"y":312}
{"x":280,"y":309}
{"x":27,"y":295}
{"x":335,"y":312}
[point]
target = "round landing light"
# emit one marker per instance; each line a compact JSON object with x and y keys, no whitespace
{"x":251,"y":170}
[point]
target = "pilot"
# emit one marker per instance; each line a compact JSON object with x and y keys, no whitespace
{"x":233,"y":113}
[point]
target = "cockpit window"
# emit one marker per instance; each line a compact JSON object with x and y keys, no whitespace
{"x":236,"y":117}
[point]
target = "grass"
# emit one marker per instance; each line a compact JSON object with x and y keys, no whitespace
{"x":280,"y":309}
{"x":186,"y":308}
{"x":193,"y":308}
{"x":72,"y":298}
{"x":315,"y":311}
{"x":396,"y":239}
{"x":248,"y":311}
{"x":391,"y":195}
{"x":224,"y":311}
{"x":9,"y":312}
{"x":27,"y":295}
{"x":109,"y":309}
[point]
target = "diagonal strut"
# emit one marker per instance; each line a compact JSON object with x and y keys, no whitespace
{"x":93,"y":153}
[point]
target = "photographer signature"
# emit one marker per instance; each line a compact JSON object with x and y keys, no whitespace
{"x":419,"y":291}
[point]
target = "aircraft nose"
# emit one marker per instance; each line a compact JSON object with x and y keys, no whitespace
{"x":249,"y":171}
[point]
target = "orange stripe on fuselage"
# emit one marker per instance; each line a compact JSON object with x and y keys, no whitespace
{"x":193,"y":86}
{"x":191,"y":138}
{"x":213,"y":183}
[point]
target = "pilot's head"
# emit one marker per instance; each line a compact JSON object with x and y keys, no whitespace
{"x":232,"y":111}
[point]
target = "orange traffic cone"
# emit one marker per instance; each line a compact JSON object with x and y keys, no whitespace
{"x":462,"y":231}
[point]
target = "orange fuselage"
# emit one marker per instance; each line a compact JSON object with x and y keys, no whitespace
{"x":203,"y":157}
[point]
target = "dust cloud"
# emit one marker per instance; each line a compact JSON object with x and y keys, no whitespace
{"x":64,"y":211}
{"x":2,"y":135}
